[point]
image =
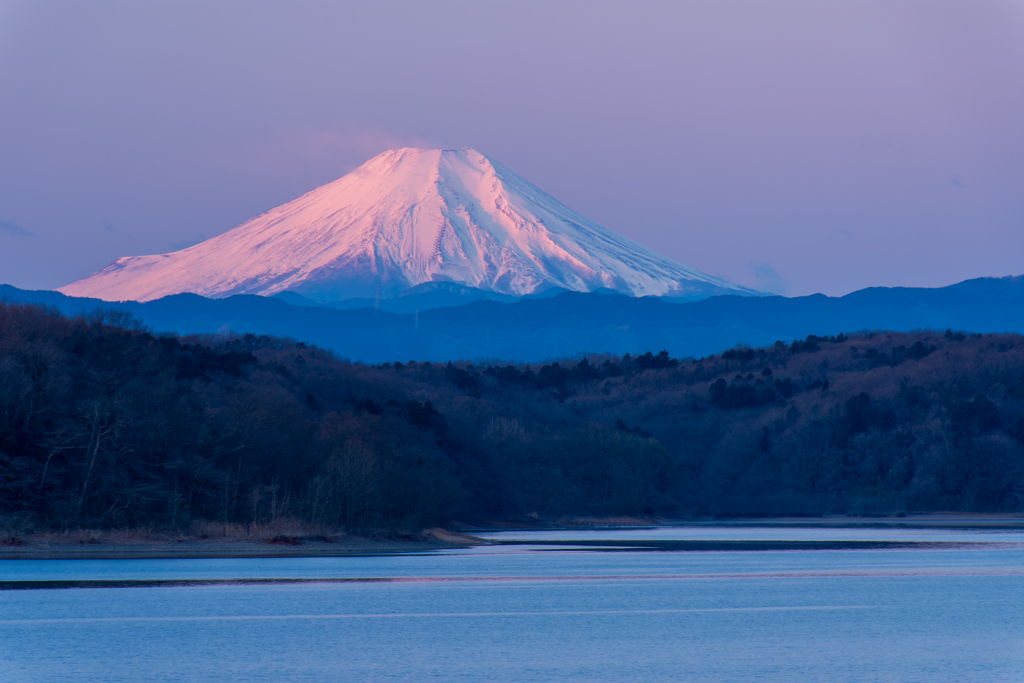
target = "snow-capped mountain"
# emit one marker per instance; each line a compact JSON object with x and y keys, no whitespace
{"x":404,"y":218}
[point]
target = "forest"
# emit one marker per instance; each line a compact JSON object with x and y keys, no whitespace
{"x":105,"y":424}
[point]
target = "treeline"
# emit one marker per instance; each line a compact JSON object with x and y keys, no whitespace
{"x":104,"y":424}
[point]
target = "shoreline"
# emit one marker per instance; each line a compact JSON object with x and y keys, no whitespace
{"x":133,"y":545}
{"x":160,"y":547}
{"x":938,"y":520}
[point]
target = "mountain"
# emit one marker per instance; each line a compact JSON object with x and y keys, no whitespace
{"x":532,"y":329}
{"x":405,"y":218}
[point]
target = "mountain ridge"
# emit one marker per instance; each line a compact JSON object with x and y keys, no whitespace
{"x":573,"y":322}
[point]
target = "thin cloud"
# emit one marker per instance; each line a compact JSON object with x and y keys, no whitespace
{"x":768,"y":278}
{"x":343,"y":147}
{"x":12,"y":228}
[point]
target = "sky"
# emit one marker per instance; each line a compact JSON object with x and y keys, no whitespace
{"x":794,"y":147}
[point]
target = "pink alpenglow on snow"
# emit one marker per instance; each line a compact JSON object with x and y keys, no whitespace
{"x":404,"y":218}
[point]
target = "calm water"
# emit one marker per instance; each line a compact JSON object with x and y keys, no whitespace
{"x":950,"y":610}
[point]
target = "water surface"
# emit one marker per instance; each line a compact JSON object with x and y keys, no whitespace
{"x":947,"y":609}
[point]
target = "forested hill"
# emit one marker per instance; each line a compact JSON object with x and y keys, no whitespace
{"x":104,"y":424}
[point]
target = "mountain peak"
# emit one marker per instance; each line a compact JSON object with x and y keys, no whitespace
{"x":406,"y":217}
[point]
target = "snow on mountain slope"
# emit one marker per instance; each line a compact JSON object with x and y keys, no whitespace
{"x":403,"y":218}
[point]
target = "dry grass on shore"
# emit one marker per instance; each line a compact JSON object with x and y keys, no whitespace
{"x":204,"y":538}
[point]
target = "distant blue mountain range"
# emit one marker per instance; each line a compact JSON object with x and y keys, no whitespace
{"x":423,"y":297}
{"x":427,"y":326}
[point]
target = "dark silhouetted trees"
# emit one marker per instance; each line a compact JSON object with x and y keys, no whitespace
{"x":103,"y":423}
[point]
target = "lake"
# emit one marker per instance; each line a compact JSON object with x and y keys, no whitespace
{"x":852,"y":604}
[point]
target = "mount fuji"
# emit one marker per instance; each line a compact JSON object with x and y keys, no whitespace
{"x":402,"y":219}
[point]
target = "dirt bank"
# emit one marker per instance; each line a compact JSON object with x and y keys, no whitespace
{"x":132,"y":545}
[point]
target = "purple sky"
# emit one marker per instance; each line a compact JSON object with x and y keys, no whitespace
{"x":795,"y":147}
